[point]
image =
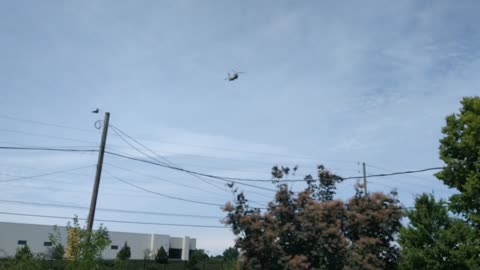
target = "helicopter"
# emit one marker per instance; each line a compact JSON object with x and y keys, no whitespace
{"x":233,"y":76}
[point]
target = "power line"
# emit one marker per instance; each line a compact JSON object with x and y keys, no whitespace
{"x":43,"y":123}
{"x":162,"y":179}
{"x":389,"y":171}
{"x":161,"y":194}
{"x":346,"y":207}
{"x":44,"y":135}
{"x":12,"y":118}
{"x":235,"y":179}
{"x":46,"y":149}
{"x":256,"y":163}
{"x":209,"y":167}
{"x":253,"y":152}
{"x":58,"y":148}
{"x":399,"y":173}
{"x":226,"y":179}
{"x":108,"y":152}
{"x":172,"y":164}
{"x":51,"y":146}
{"x":109,"y":209}
{"x":416,"y":183}
{"x":237,"y":150}
{"x":133,"y":146}
{"x":223,"y":178}
{"x":76,"y":189}
{"x":118,"y":131}
{"x":116,"y":221}
{"x":188,"y":186}
{"x":16,"y":166}
{"x":44,"y":174}
{"x":181,"y":184}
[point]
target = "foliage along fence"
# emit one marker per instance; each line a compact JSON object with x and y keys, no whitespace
{"x":179,"y":265}
{"x":6,"y":264}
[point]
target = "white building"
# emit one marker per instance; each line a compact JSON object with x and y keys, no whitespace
{"x":14,"y":235}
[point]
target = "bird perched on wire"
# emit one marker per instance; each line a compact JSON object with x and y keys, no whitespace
{"x":96,"y":110}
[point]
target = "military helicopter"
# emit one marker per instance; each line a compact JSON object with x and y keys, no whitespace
{"x":233,"y":76}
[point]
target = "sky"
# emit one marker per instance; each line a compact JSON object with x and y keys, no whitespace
{"x":326,"y":82}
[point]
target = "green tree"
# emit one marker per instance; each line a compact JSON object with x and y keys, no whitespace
{"x":230,"y":254}
{"x":460,"y":150}
{"x":230,"y":258}
{"x":57,"y":251}
{"x":161,"y":256}
{"x":124,"y":253}
{"x":84,"y":249}
{"x":25,"y":260}
{"x":434,"y":240}
{"x":197,"y":257}
{"x":24,"y":253}
{"x":121,"y":261}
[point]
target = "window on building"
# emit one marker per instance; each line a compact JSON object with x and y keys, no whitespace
{"x":47,"y":244}
{"x":22,"y":242}
{"x":114,"y":247}
{"x":175,"y":253}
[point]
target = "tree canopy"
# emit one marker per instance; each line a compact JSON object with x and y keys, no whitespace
{"x":312,"y":230}
{"x":434,"y":240}
{"x":230,"y":254}
{"x":124,"y":253}
{"x":161,"y":256}
{"x":460,"y":150}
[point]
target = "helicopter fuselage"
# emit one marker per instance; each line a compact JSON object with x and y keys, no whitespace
{"x":233,"y":77}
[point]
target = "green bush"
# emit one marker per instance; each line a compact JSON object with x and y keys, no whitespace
{"x":125,"y":253}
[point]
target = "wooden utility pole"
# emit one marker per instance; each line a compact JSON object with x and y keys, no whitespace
{"x":96,"y":185}
{"x":364,"y":179}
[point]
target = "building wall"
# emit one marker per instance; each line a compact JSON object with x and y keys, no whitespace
{"x":137,"y":242}
{"x":140,"y":244}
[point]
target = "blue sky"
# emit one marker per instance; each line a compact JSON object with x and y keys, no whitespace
{"x":332,"y":82}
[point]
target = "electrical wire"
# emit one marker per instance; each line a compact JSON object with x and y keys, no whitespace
{"x":389,"y":171}
{"x":223,"y":178}
{"x":209,"y":167}
{"x":184,"y":170}
{"x":44,"y":135}
{"x":12,"y":118}
{"x":108,"y":209}
{"x":160,"y":179}
{"x":179,"y":184}
{"x":116,"y":221}
{"x":46,"y":149}
{"x":240,"y":180}
{"x":398,"y":173}
{"x":44,"y":174}
{"x":236,"y":150}
{"x":184,"y":185}
{"x":411,"y":187}
{"x":108,"y":152}
{"x":195,"y":216}
{"x":161,"y":194}
{"x":43,"y":123}
{"x":120,"y":132}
